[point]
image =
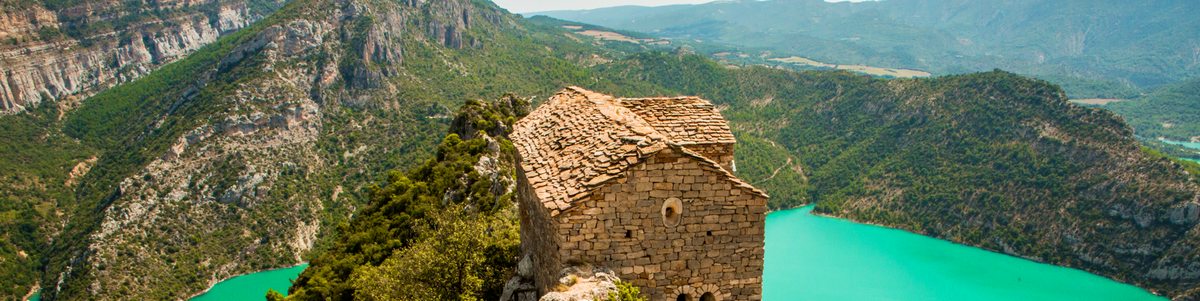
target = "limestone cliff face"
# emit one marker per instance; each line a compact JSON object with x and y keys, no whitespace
{"x":73,"y":50}
{"x":249,"y":183}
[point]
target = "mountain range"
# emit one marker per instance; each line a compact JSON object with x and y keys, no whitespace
{"x":1093,"y":48}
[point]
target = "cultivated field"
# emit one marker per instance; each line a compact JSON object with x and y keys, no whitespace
{"x":878,"y":71}
{"x":1096,"y":101}
{"x":613,"y":36}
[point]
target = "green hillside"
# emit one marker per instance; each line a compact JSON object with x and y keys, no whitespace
{"x":1171,"y":112}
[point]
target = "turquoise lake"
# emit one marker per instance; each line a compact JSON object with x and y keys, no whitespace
{"x":1191,"y":145}
{"x":810,"y":257}
{"x":252,"y":286}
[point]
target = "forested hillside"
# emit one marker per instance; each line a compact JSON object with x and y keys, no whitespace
{"x":247,"y":154}
{"x":1171,"y":112}
{"x":446,"y":229}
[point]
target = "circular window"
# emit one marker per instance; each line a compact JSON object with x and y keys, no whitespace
{"x":672,"y":208}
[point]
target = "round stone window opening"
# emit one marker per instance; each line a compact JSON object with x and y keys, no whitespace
{"x":708,"y":297}
{"x":683,"y":297}
{"x":672,"y":209}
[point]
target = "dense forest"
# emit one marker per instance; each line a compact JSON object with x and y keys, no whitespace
{"x":1171,"y":112}
{"x":444,"y":230}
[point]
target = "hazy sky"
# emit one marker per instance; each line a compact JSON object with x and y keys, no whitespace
{"x":525,"y":6}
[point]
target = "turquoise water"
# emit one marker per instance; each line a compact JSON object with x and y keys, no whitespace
{"x":810,"y":257}
{"x":36,"y":296}
{"x":1191,"y":145}
{"x":252,"y":286}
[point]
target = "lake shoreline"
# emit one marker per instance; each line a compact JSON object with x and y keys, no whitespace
{"x":37,"y":287}
{"x":214,"y":283}
{"x":1000,"y":252}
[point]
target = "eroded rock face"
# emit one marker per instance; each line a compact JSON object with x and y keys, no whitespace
{"x":249,"y":184}
{"x":48,"y":54}
{"x":584,"y":283}
{"x":223,"y":175}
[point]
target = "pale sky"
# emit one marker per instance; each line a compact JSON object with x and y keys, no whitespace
{"x":527,"y":6}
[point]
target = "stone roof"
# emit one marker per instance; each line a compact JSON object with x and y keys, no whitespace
{"x":581,"y":139}
{"x":684,"y":120}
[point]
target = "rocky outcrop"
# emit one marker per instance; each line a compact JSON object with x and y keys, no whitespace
{"x":520,"y":287}
{"x":575,"y":283}
{"x":584,"y":283}
{"x":224,"y":175}
{"x":72,"y":52}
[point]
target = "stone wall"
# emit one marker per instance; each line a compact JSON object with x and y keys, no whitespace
{"x":720,"y":152}
{"x":538,"y":239}
{"x":715,"y":245}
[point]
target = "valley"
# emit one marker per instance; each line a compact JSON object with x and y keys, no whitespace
{"x":1104,"y":49}
{"x":1091,"y":49}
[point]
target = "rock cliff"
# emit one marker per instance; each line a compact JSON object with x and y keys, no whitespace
{"x":239,"y":163}
{"x":71,"y":49}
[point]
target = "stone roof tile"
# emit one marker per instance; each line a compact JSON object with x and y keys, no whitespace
{"x":580,"y":139}
{"x":684,"y":120}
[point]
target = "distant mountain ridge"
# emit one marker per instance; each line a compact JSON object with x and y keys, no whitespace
{"x":1094,"y":48}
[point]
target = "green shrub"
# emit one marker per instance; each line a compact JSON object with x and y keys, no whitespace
{"x":626,"y":292}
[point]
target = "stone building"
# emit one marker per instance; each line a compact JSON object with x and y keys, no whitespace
{"x":641,"y":186}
